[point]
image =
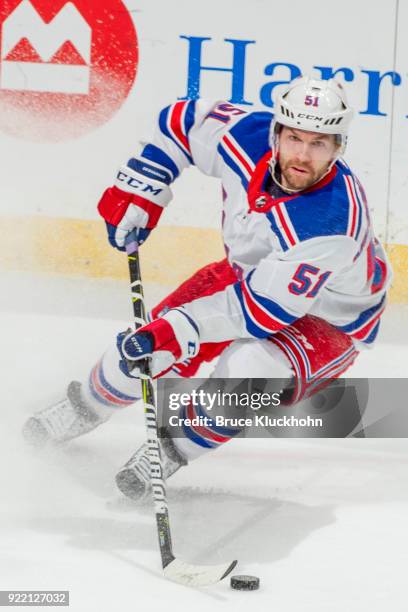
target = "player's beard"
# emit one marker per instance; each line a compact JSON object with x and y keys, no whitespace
{"x":300,"y":176}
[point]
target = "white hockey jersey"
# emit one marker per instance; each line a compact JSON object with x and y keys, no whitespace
{"x":313,"y":252}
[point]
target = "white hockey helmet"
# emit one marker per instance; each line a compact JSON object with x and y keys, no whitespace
{"x":315,"y":106}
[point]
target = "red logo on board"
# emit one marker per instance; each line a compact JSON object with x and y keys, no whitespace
{"x":65,"y":66}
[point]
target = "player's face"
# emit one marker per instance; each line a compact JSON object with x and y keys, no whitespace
{"x":304,"y":156}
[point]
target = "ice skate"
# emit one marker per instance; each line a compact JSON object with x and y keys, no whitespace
{"x":133,"y":479}
{"x":64,"y":421}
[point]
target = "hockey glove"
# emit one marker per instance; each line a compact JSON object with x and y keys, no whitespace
{"x":135,"y":202}
{"x":172,"y":338}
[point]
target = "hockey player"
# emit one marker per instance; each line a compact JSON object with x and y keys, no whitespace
{"x":302,"y":288}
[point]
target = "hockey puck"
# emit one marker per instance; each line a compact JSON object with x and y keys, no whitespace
{"x":245,"y":583}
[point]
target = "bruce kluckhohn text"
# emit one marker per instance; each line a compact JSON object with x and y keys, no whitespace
{"x":256,"y":420}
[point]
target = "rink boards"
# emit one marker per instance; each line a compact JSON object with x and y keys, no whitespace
{"x":82,"y":82}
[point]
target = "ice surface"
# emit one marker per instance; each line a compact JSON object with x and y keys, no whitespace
{"x":321,"y":522}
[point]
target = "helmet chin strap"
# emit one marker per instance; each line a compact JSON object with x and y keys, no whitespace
{"x":274,"y":160}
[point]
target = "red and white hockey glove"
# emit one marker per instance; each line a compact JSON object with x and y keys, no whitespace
{"x":135,"y":202}
{"x":172,"y":338}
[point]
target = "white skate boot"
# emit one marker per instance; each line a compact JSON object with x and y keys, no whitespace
{"x":68,"y":419}
{"x":134,"y":478}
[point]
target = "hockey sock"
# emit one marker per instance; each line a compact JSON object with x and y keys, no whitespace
{"x":107,"y":387}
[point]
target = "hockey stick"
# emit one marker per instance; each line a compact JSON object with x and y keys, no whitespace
{"x":173,"y":568}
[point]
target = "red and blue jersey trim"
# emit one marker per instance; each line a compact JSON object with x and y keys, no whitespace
{"x":358,"y":209}
{"x":355,"y":210}
{"x":366,"y":326}
{"x":176,"y":121}
{"x":282,"y":226}
{"x":236,"y":158}
{"x":263,"y":316}
{"x":379,"y":275}
{"x":252,"y":134}
{"x":245,"y":144}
